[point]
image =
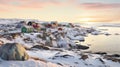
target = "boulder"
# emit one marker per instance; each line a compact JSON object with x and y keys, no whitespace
{"x":13,"y":51}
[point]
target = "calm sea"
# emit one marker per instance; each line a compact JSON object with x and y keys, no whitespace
{"x":109,"y":44}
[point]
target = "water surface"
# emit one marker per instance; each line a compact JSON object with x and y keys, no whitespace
{"x":109,"y":44}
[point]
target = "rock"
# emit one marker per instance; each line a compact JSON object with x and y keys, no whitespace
{"x":64,"y":56}
{"x":84,"y":57}
{"x":95,"y":33}
{"x":108,"y":57}
{"x":107,"y":34}
{"x":82,"y":47}
{"x":41,"y":47}
{"x":89,"y":30}
{"x":117,"y":34}
{"x":101,"y":60}
{"x":101,"y":53}
{"x":60,"y":64}
{"x":13,"y":51}
{"x":115,"y":55}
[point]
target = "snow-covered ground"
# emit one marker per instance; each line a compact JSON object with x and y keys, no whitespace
{"x":65,"y":58}
{"x":57,"y":57}
{"x":73,"y":58}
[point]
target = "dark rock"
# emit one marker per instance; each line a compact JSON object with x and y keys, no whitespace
{"x":82,"y":47}
{"x":60,"y":64}
{"x":115,"y":55}
{"x":64,"y":56}
{"x":109,"y":57}
{"x":81,"y":40}
{"x":84,"y":57}
{"x":107,"y":34}
{"x":41,"y":47}
{"x":13,"y":51}
{"x":101,"y":53}
{"x":101,"y":60}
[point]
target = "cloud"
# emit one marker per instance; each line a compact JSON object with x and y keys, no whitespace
{"x":4,"y":8}
{"x":100,"y":5}
{"x":32,"y":3}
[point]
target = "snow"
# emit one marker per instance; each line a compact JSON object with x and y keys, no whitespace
{"x":56,"y":57}
{"x":29,"y":63}
{"x":72,"y":58}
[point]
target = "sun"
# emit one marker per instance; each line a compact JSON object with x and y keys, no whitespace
{"x":85,"y":19}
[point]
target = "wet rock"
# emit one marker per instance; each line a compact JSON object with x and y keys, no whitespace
{"x":114,"y":55}
{"x":111,"y":58}
{"x":13,"y":51}
{"x":101,"y":53}
{"x":107,"y":34}
{"x":82,"y":47}
{"x":41,"y":47}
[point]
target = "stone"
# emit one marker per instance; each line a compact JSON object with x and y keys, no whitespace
{"x":13,"y":51}
{"x":82,"y":47}
{"x":101,"y":53}
{"x":84,"y":57}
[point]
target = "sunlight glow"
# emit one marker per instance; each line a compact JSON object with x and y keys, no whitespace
{"x":85,"y":19}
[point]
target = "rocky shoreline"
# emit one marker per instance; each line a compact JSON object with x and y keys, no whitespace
{"x":50,"y":44}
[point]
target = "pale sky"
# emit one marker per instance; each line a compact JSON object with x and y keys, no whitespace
{"x":62,"y":10}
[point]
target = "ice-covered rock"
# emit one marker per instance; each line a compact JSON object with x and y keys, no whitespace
{"x":95,"y":33}
{"x":13,"y":51}
{"x":106,"y":33}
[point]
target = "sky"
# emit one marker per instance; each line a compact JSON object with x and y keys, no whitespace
{"x":62,"y":10}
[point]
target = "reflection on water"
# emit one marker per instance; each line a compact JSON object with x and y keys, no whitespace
{"x":110,"y":44}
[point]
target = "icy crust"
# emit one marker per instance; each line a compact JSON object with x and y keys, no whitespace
{"x":73,"y":58}
{"x":29,"y":63}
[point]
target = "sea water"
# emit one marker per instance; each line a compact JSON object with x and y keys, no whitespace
{"x":104,"y":43}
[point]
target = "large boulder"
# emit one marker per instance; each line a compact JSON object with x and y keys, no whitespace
{"x":13,"y":51}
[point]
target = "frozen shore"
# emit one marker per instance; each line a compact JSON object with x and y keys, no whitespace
{"x":62,"y":56}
